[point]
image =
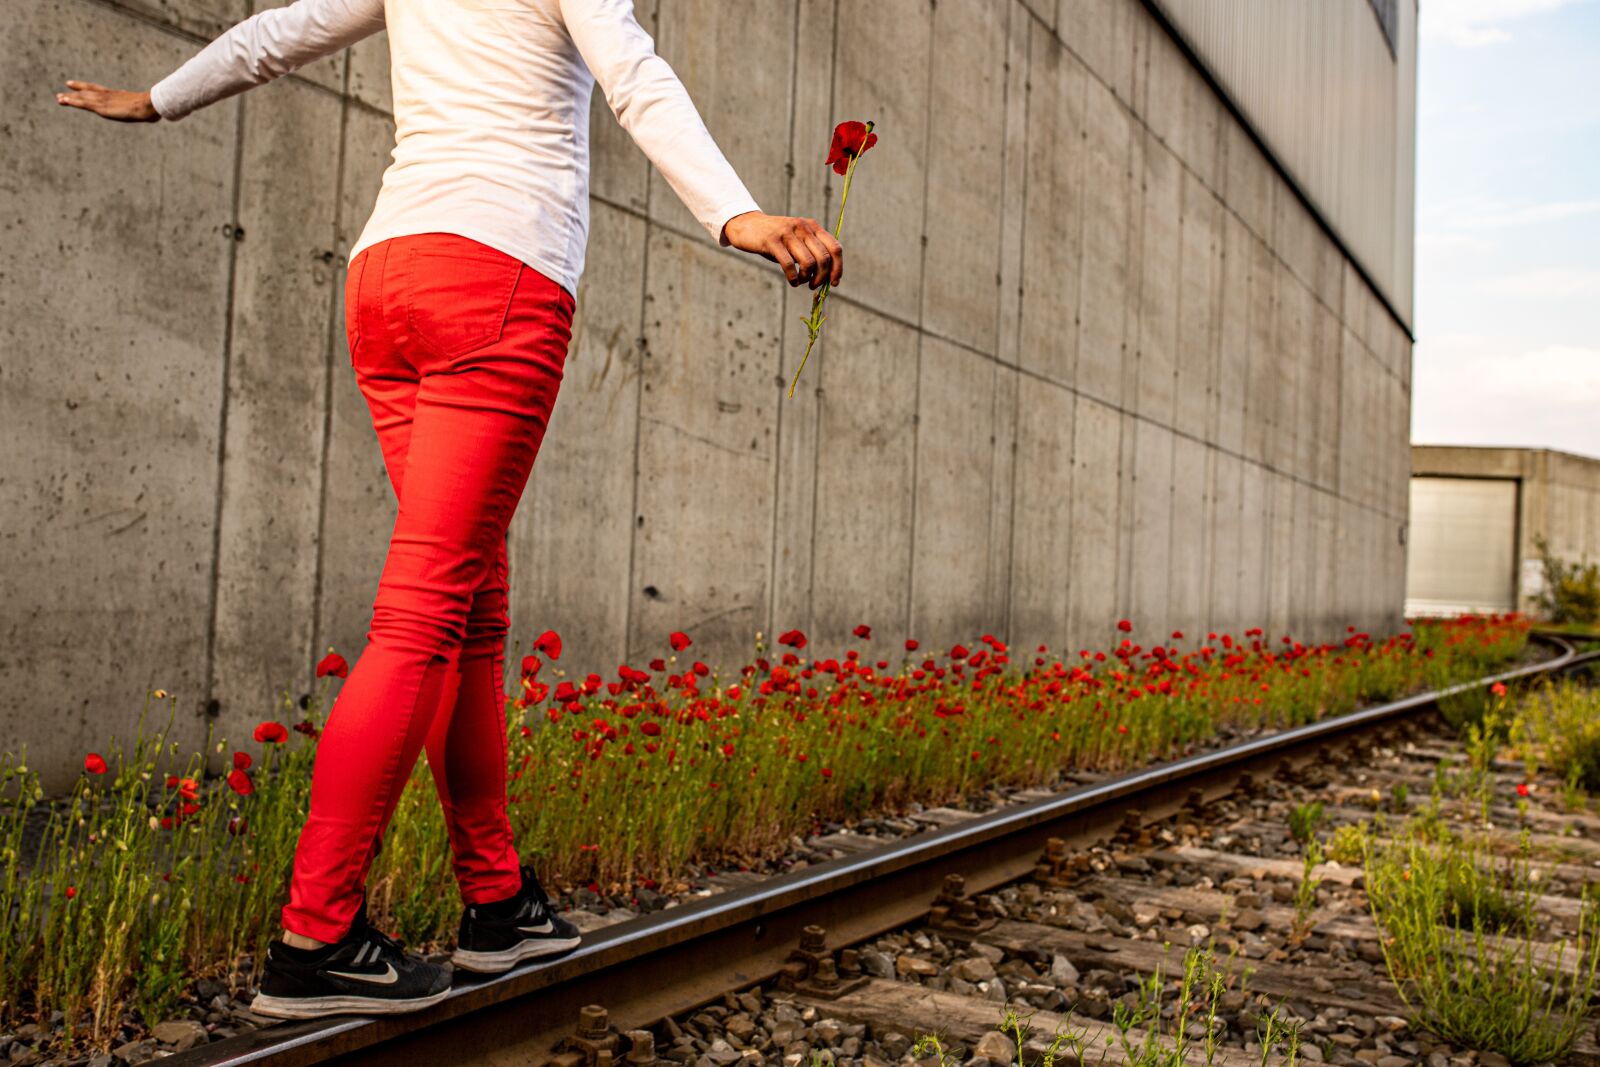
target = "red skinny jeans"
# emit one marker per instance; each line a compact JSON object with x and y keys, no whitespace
{"x":458,"y":349}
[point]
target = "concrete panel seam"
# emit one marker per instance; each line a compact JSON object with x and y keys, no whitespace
{"x":638,"y":408}
{"x":922,"y":279}
{"x":783,"y":320}
{"x":816,"y":414}
{"x":325,"y":446}
{"x":213,"y":593}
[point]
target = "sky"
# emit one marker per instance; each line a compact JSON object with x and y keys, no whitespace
{"x":1507,"y":314}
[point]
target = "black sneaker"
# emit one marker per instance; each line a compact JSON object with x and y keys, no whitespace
{"x":496,"y":937}
{"x":365,"y":973}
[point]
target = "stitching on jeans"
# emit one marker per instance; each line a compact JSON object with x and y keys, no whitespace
{"x":353,"y":300}
{"x":449,"y":356}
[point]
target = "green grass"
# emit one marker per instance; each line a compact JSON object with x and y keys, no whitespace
{"x":145,"y":881}
{"x":1453,"y":921}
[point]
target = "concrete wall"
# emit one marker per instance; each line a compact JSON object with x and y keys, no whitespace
{"x":1558,"y":499}
{"x":1092,"y":358}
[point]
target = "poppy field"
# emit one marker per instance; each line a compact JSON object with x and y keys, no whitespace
{"x":153,"y":874}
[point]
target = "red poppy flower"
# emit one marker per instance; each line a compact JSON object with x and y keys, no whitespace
{"x":958,"y":652}
{"x":911,"y":644}
{"x":679,"y":640}
{"x":237,"y":825}
{"x":241,"y":761}
{"x":1522,"y":789}
{"x":72,"y":891}
{"x":240,"y":783}
{"x":727,"y":750}
{"x":531,"y":666}
{"x":827,"y":772}
{"x":549,"y":643}
{"x":650,"y":727}
{"x":1125,"y":626}
{"x":94,"y":763}
{"x":658,"y":664}
{"x":566,"y":692}
{"x":271,"y":733}
{"x":1498,"y":689}
{"x":188,"y":788}
{"x":792,"y":638}
{"x":849,"y":139}
{"x":305,"y":726}
{"x":333,"y":664}
{"x":864,"y":632}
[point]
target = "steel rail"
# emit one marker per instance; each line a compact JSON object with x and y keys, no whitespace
{"x":676,"y":959}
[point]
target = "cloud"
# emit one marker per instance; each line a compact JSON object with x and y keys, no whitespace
{"x":1476,"y":213}
{"x":1475,"y":23}
{"x":1549,"y":283}
{"x":1473,"y":391}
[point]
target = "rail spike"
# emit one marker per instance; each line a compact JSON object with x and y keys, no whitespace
{"x":1059,"y":867}
{"x":812,"y":969}
{"x":593,"y":1044}
{"x":954,"y":912}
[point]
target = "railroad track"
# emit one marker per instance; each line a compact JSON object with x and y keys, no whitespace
{"x":1062,"y":898}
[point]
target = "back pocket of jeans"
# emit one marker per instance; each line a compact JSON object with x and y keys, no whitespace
{"x":459,"y":295}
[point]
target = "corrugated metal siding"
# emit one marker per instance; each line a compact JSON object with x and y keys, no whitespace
{"x":1318,"y":83}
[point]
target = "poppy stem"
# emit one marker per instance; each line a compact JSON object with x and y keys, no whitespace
{"x":814,"y":323}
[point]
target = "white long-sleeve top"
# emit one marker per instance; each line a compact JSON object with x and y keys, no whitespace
{"x":491,"y":108}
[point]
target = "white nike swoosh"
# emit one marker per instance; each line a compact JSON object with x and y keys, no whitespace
{"x":386,"y":978}
{"x":543,"y":928}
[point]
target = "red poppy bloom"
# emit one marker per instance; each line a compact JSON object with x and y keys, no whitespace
{"x":241,"y":761}
{"x":1522,"y":789}
{"x":827,"y":772}
{"x":911,"y":644}
{"x":958,"y":652}
{"x":1125,"y":626}
{"x":650,"y":727}
{"x":72,"y":891}
{"x":240,"y":783}
{"x":94,"y":763}
{"x":849,"y":139}
{"x":188,"y":788}
{"x":566,"y":692}
{"x":658,"y":664}
{"x":792,"y":638}
{"x":271,"y":733}
{"x":305,"y":726}
{"x":549,"y":643}
{"x":333,"y":664}
{"x":1498,"y":689}
{"x":172,"y":781}
{"x":727,"y":750}
{"x":531,"y":666}
{"x":679,"y":640}
{"x":863,"y":631}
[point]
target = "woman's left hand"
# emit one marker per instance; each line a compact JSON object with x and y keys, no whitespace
{"x":122,"y":105}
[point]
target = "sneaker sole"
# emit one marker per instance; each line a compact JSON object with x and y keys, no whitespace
{"x":505,"y":959}
{"x":316,"y":1007}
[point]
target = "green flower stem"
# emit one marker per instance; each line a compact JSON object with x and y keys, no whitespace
{"x":815,"y":320}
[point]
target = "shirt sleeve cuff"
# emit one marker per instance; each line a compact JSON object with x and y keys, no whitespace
{"x":720,"y":217}
{"x":165,"y":107}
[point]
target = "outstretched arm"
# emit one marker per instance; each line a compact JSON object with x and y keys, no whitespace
{"x":649,"y":101}
{"x":267,"y":45}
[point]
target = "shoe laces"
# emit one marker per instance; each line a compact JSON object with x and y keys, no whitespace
{"x":374,"y":935}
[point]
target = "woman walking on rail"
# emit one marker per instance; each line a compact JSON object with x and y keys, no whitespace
{"x":459,"y":300}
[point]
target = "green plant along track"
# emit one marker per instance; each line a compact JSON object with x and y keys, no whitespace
{"x":145,"y":880}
